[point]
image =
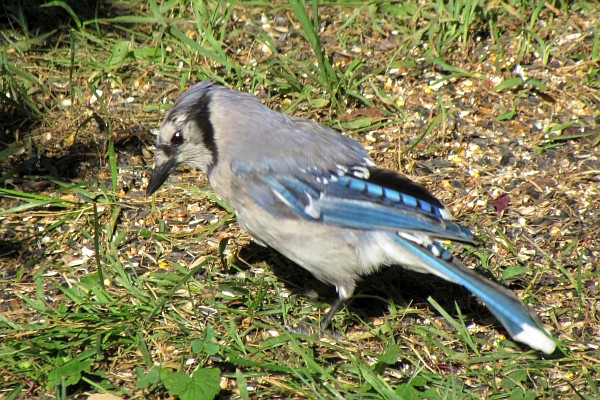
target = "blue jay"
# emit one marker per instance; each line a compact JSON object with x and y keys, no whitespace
{"x":315,"y":196}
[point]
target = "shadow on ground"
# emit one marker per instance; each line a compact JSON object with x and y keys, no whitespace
{"x":44,"y":19}
{"x":395,"y":283}
{"x":28,"y":102}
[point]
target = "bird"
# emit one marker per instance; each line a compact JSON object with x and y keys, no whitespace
{"x":315,"y":196}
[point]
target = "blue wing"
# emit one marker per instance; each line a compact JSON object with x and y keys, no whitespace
{"x":366,"y":198}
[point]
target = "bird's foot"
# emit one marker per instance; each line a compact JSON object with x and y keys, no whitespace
{"x":303,"y":329}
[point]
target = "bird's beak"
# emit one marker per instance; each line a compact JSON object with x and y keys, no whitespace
{"x":160,"y":173}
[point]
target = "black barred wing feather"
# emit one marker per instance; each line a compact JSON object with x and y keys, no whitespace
{"x":366,"y":198}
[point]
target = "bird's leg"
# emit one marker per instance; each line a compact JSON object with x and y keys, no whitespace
{"x":324,"y":324}
{"x":335,"y":307}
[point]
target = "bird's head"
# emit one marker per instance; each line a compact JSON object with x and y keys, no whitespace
{"x":186,"y":136}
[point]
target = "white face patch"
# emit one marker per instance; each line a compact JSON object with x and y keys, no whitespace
{"x":179,"y":119}
{"x":160,"y":158}
{"x":165,"y":133}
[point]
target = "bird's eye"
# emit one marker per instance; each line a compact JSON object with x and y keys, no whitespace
{"x":177,"y":138}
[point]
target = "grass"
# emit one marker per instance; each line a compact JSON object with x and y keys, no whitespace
{"x":106,"y":291}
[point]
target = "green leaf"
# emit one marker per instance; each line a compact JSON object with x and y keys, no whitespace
{"x":511,"y":272}
{"x":419,"y":381}
{"x":435,"y":122}
{"x":149,"y":379}
{"x":196,"y":392}
{"x":560,"y":127}
{"x":119,"y":54}
{"x":319,"y":103}
{"x":402,"y":64}
{"x":242,"y":384}
{"x":208,"y":345}
{"x":197,"y":47}
{"x":407,"y":392}
{"x":69,"y":373}
{"x":211,"y":348}
{"x":455,"y":70}
{"x":360,"y":123}
{"x":537,"y":84}
{"x":519,"y":394}
{"x":9,"y":151}
{"x":151,"y":53}
{"x":310,"y":30}
{"x":391,"y":355}
{"x":175,"y":382}
{"x":204,"y":384}
{"x":197,"y":346}
{"x":208,"y":382}
{"x":458,"y":325}
{"x":510,"y":114}
{"x":378,"y":384}
{"x":157,"y":13}
{"x":511,"y":83}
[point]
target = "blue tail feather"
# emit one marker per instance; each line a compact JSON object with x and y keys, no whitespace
{"x":518,"y":320}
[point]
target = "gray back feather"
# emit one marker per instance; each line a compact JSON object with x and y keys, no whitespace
{"x":260,"y":139}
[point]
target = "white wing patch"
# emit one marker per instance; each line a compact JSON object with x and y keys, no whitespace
{"x":312,"y":209}
{"x":418,"y":238}
{"x":426,"y":241}
{"x":369,"y":162}
{"x":341,"y":170}
{"x":360,"y":172}
{"x":282,"y":198}
{"x":445,"y":214}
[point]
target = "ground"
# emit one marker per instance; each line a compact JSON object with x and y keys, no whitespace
{"x":494,"y":108}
